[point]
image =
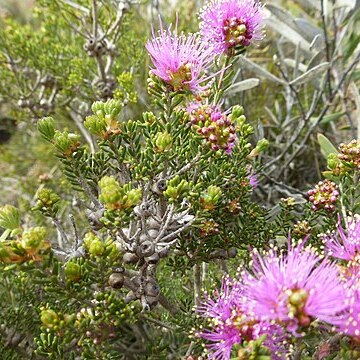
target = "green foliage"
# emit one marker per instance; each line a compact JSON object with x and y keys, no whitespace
{"x":107,"y":259}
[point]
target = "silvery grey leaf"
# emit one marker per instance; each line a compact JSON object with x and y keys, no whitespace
{"x":259,"y":70}
{"x":307,"y":29}
{"x":289,"y":33}
{"x":292,"y":63}
{"x":311,"y":74}
{"x":243,"y":85}
{"x":272,"y":116}
{"x":313,"y":4}
{"x":282,"y":15}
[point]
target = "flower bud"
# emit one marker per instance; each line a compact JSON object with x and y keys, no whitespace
{"x":149,"y":117}
{"x":49,"y":318}
{"x":211,"y":197}
{"x":73,"y":271}
{"x":96,"y":248}
{"x":298,"y":298}
{"x":236,"y":112}
{"x":163,"y":141}
{"x":261,"y":146}
{"x":110,"y":191}
{"x":95,"y":125}
{"x":47,"y":200}
{"x":33,"y":239}
{"x":66,"y":142}
{"x":133,"y":197}
{"x":332,"y":161}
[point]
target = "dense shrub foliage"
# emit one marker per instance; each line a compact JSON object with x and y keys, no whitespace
{"x":159,"y":201}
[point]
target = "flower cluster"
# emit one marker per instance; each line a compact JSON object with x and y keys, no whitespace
{"x":214,"y":126}
{"x":290,"y":288}
{"x":345,"y":244}
{"x":31,"y":246}
{"x":180,"y":61}
{"x":281,"y":294}
{"x":324,"y":195}
{"x":209,"y":227}
{"x":226,"y":24}
{"x":229,"y":324}
{"x":302,"y":229}
{"x":350,"y":322}
{"x":350,"y":154}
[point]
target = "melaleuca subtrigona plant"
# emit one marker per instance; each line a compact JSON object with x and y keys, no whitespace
{"x":168,"y":190}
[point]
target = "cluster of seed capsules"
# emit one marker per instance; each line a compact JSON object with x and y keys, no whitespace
{"x":324,"y":195}
{"x":214,"y":126}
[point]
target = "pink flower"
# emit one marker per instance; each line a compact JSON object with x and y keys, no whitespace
{"x":229,"y":325}
{"x":345,"y":244}
{"x":294,"y":289}
{"x":350,"y":321}
{"x":180,"y":61}
{"x":229,"y":23}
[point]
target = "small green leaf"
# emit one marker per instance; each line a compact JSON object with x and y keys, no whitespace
{"x":326,"y":146}
{"x":331,"y":117}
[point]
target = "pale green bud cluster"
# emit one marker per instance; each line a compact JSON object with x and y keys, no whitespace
{"x":97,"y":248}
{"x":239,"y":119}
{"x":47,"y":201}
{"x":66,"y":143}
{"x":73,"y":271}
{"x":117,"y":197}
{"x":54,"y":320}
{"x":163,"y":141}
{"x":149,"y":117}
{"x":177,"y":189}
{"x":33,"y":239}
{"x":210,"y":197}
{"x":260,"y":147}
{"x":104,"y":121}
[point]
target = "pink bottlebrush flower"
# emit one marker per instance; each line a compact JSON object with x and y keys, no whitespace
{"x":181,"y":61}
{"x":229,"y":325}
{"x":294,"y":289}
{"x":229,"y":23}
{"x":345,"y":246}
{"x":350,"y":321}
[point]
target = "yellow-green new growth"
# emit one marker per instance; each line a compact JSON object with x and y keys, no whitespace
{"x":117,"y":197}
{"x":104,"y":122}
{"x":163,"y":141}
{"x":9,"y":217}
{"x":66,"y":143}
{"x":33,"y":239}
{"x":210,"y":197}
{"x":177,"y":189}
